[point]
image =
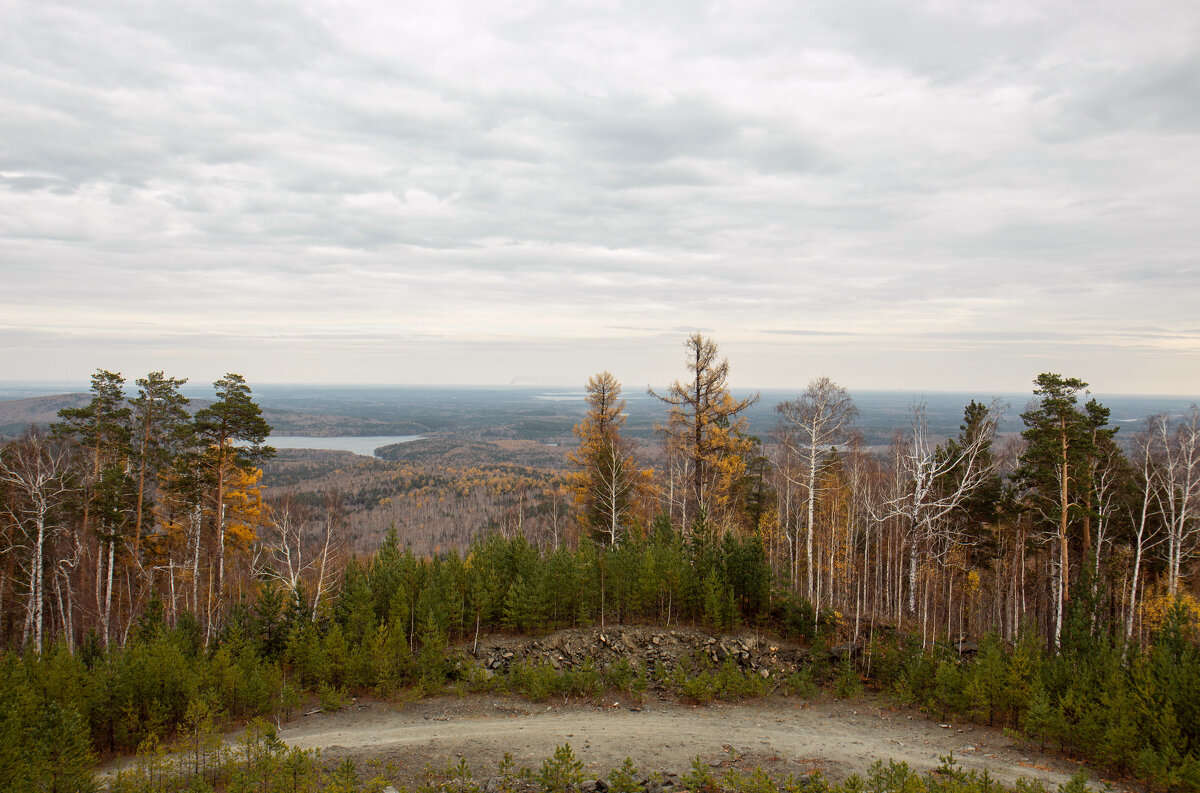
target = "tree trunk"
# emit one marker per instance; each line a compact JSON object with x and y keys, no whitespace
{"x":321,"y":574}
{"x":912,"y":571}
{"x":137,"y":530}
{"x":220,"y":547}
{"x":38,"y":580}
{"x":812,"y":497}
{"x":196,"y":526}
{"x":108,"y":591}
{"x":1063,"y":521}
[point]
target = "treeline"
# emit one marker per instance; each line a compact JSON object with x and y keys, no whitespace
{"x":1134,"y":710}
{"x":944,"y":536}
{"x":127,"y":500}
{"x":390,"y":626}
{"x":133,"y":497}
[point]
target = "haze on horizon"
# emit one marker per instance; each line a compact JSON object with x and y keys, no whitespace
{"x":924,"y":196}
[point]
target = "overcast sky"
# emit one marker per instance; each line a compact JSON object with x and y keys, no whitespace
{"x":937,"y":195}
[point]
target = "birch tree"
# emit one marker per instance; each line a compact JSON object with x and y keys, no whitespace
{"x":937,"y":482}
{"x":1178,"y":451}
{"x":36,"y":472}
{"x":1144,"y":521}
{"x":810,"y":427}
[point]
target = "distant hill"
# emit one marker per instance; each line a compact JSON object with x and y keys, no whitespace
{"x":548,"y":415}
{"x":17,"y":414}
{"x":466,"y":453}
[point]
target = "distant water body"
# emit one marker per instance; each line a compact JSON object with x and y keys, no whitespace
{"x":358,"y":444}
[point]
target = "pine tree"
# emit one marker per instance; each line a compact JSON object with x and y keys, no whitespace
{"x":232,"y":431}
{"x":161,"y":429}
{"x":62,"y":756}
{"x":561,"y":772}
{"x":103,"y":429}
{"x":1042,"y":719}
{"x":980,"y":508}
{"x":1056,"y":467}
{"x":102,"y":426}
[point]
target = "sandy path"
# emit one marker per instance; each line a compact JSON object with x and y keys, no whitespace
{"x":780,"y":736}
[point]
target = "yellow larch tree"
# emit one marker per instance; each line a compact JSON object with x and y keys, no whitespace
{"x":609,"y":484}
{"x":704,"y":436}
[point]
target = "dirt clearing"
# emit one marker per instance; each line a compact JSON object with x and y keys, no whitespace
{"x":781,"y":736}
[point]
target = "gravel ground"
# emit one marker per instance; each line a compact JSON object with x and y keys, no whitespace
{"x":780,"y":735}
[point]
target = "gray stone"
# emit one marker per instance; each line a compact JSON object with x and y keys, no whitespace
{"x":844,"y":651}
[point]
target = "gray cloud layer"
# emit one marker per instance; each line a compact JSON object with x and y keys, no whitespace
{"x":921,"y":195}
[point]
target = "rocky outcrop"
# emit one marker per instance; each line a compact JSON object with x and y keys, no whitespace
{"x":649,"y":648}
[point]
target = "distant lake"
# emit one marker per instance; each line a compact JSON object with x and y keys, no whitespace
{"x":358,"y":444}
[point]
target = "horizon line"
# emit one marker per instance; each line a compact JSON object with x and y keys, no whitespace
{"x":79,"y":386}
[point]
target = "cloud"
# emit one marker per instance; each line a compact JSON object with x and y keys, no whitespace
{"x":950,"y":176}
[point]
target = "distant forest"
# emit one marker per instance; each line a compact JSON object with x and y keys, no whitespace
{"x":126,"y":499}
{"x":135,"y":519}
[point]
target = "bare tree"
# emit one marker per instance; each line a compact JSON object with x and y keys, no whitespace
{"x":331,"y":543}
{"x":612,"y":487}
{"x":297,"y":548}
{"x":938,"y":481}
{"x":1178,"y":450}
{"x":809,"y":427}
{"x":284,"y":545}
{"x":37,"y":474}
{"x":1145,"y":527}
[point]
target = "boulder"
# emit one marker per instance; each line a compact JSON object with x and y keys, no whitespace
{"x":845,"y":651}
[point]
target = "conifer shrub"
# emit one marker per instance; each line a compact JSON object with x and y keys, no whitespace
{"x":1042,"y":720}
{"x":947,"y":694}
{"x":332,"y":698}
{"x":535,"y":681}
{"x":584,"y":681}
{"x":754,"y":781}
{"x":699,"y":778}
{"x":801,"y":684}
{"x":619,"y":675}
{"x":847,"y":684}
{"x":624,"y":778}
{"x":733,"y":682}
{"x":289,"y":701}
{"x":561,"y":772}
{"x":59,"y":753}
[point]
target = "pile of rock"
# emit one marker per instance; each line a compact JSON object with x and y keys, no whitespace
{"x":650,"y":648}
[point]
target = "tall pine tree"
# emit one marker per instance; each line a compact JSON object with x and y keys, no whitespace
{"x":1055,"y":470}
{"x":103,"y":429}
{"x":232,"y":430}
